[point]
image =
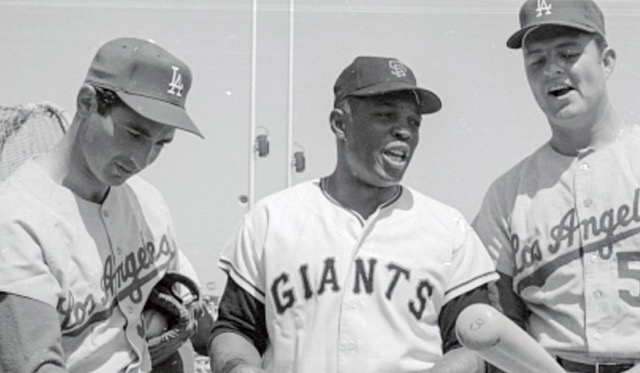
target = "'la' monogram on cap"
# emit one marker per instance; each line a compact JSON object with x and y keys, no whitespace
{"x":543,"y":6}
{"x":398,"y":68}
{"x":176,"y":86}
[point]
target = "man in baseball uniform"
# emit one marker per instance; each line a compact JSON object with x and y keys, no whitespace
{"x":563,"y":224}
{"x":354,"y":272}
{"x":82,"y":239}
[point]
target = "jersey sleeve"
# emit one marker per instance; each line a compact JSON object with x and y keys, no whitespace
{"x":23,"y":267}
{"x":241,"y":258}
{"x":492,"y":226}
{"x":34,"y":342}
{"x":471,"y":265}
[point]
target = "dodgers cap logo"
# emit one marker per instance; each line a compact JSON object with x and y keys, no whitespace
{"x":583,"y":15}
{"x":151,"y":81}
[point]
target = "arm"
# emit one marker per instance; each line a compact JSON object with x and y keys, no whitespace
{"x":232,"y":353}
{"x":456,"y":358}
{"x":30,"y":336}
{"x":503,"y":298}
{"x":459,"y":360}
{"x":239,"y":335}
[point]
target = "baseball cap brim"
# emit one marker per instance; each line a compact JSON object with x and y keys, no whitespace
{"x":515,"y":41}
{"x":160,"y":111}
{"x":429,"y":101}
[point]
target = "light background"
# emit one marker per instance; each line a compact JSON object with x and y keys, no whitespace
{"x":489,"y":119}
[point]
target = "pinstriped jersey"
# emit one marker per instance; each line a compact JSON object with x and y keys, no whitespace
{"x":345,"y":294}
{"x":567,"y":229}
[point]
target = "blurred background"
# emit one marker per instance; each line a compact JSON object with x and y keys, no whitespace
{"x":263,"y":77}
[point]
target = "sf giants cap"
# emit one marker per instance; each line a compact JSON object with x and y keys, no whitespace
{"x":371,"y":76}
{"x":580,"y":14}
{"x":150,"y":80}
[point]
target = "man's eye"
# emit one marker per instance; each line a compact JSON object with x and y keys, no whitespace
{"x":535,"y":61}
{"x":570,"y":54}
{"x":134,"y":135}
{"x":384,"y":115}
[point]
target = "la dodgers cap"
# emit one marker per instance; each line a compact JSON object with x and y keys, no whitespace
{"x":371,"y":76}
{"x":583,"y":15}
{"x":151,"y":81}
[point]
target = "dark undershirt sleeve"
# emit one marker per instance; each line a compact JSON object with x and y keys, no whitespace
{"x":239,"y":312}
{"x":30,"y":336}
{"x":449,"y":313}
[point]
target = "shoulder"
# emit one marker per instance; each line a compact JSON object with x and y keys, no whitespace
{"x":427,"y":210}
{"x":526,"y":173}
{"x":299,"y":195}
{"x":29,"y":191}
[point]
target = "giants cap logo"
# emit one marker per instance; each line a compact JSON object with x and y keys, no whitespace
{"x":176,"y":86}
{"x":543,"y":6}
{"x":398,"y":68}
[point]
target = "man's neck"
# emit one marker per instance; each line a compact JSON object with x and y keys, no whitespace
{"x":581,"y":134}
{"x":62,"y":166}
{"x":358,"y":196}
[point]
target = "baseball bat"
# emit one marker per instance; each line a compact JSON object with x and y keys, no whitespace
{"x":501,"y":342}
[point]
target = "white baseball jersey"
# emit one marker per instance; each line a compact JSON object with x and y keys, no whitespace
{"x":95,"y":264}
{"x":567,"y":229}
{"x":344,"y":294}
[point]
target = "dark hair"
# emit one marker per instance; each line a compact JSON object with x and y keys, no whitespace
{"x":107,"y":99}
{"x":601,"y":42}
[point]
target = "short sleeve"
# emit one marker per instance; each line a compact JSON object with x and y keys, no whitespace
{"x":241,"y":258}
{"x":471,"y":265}
{"x":492,"y":226}
{"x":23,"y":267}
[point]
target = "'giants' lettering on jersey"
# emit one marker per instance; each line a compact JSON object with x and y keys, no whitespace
{"x":284,"y":296}
{"x":120,"y":280}
{"x":570,"y":232}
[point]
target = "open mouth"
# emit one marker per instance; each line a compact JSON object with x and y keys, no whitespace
{"x":396,"y":155}
{"x":559,"y":91}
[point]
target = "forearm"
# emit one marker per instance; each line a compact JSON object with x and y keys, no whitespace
{"x":459,"y":360}
{"x":29,"y":336}
{"x":232,"y":353}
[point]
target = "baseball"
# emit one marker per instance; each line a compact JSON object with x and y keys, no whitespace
{"x":155,"y":323}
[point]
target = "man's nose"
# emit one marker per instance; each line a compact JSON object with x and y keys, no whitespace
{"x":403,"y":131}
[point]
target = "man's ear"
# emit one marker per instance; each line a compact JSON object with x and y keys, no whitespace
{"x":87,"y":101}
{"x":608,"y":61}
{"x":338,"y":120}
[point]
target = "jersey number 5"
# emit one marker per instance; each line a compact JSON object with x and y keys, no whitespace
{"x":625,"y":271}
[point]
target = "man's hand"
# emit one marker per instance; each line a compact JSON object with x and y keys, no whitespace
{"x":181,"y":318}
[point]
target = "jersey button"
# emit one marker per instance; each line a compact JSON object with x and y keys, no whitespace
{"x":597,"y":294}
{"x":105,"y":213}
{"x":597,"y":336}
{"x":584,"y":167}
{"x":118,"y":251}
{"x":587,"y":202}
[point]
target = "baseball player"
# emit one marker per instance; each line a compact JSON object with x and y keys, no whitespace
{"x":82,"y":239}
{"x":563,"y":224}
{"x":354,"y":272}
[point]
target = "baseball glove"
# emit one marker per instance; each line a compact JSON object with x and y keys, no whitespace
{"x":181,"y":317}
